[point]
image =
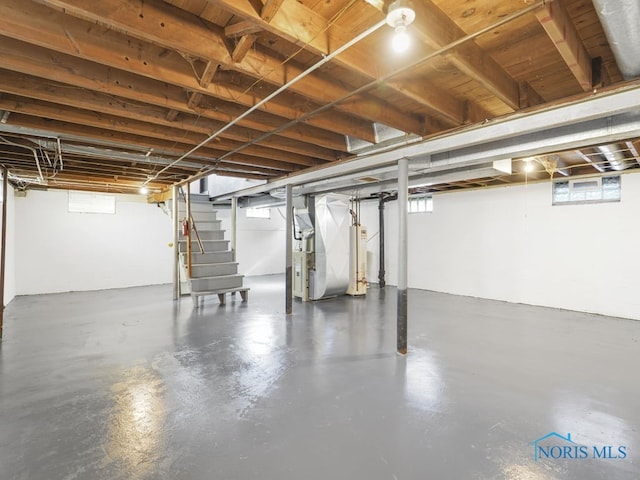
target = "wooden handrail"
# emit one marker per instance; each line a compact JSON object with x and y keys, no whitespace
{"x":192,"y":226}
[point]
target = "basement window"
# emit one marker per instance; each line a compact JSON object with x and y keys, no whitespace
{"x":421,"y":204}
{"x":587,"y":190}
{"x":80,"y":202}
{"x":258,"y":212}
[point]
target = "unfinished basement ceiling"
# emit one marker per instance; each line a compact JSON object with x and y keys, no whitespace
{"x":106,"y":96}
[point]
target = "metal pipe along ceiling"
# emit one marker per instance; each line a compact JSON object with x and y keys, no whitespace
{"x":615,"y":157}
{"x":619,"y":19}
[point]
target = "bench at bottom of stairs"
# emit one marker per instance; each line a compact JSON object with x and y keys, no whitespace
{"x":244,"y":293}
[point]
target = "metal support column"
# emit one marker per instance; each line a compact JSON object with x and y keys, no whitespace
{"x":234,"y":227}
{"x":403,"y":206}
{"x":289,"y":252}
{"x":187,"y":199}
{"x":381,"y":272}
{"x":176,"y":239}
{"x":5,"y":188}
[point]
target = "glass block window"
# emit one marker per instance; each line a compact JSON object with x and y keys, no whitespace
{"x":421,"y":204}
{"x":80,"y":202}
{"x":587,"y":190}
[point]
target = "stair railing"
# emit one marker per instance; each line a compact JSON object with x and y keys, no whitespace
{"x":192,"y":226}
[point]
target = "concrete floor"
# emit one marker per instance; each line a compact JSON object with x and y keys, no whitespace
{"x":123,"y":384}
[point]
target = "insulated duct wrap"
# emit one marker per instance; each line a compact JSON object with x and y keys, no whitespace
{"x":332,"y":222}
{"x":619,"y":19}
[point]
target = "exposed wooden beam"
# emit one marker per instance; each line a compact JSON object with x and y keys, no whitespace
{"x":194,"y":99}
{"x":437,"y":30}
{"x":53,"y":30}
{"x":528,"y":96}
{"x":558,"y":25}
{"x":302,"y":26}
{"x":25,"y":86}
{"x":269,"y":9}
{"x":241,"y":28}
{"x":172,"y":115}
{"x":242,"y":47}
{"x":204,"y":70}
{"x":186,"y":33}
{"x":137,"y":142}
{"x":207,"y":75}
{"x":37,"y":62}
{"x":112,"y":127}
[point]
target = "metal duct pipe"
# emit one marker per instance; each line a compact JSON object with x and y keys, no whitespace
{"x":619,"y":19}
{"x":615,"y":157}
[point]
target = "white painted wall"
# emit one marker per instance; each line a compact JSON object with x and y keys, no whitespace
{"x":10,"y":263}
{"x":511,"y":244}
{"x":58,"y":251}
{"x":261,"y":242}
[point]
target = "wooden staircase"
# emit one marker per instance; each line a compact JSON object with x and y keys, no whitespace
{"x":214,"y":270}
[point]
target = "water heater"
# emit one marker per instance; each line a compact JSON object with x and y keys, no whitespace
{"x":357,"y":260}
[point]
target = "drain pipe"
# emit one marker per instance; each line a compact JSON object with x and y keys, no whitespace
{"x":381,"y":272}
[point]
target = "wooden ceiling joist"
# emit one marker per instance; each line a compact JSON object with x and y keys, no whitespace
{"x":76,"y":129}
{"x":556,"y":22}
{"x":136,"y":63}
{"x":141,"y":115}
{"x":303,"y":26}
{"x":129,"y":87}
{"x":269,"y":9}
{"x":185,"y":33}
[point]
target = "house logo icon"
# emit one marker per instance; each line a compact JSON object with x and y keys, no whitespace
{"x":554,"y":446}
{"x":545,"y":445}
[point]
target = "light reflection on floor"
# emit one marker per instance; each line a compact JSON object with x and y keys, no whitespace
{"x":136,"y":422}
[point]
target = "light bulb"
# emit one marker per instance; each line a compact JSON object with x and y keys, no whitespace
{"x":529,"y":167}
{"x":401,"y":39}
{"x":144,"y":190}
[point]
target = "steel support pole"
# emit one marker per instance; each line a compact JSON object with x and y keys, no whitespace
{"x":289,"y":252}
{"x":234,"y":227}
{"x":176,"y":252}
{"x":403,"y":205}
{"x":381,"y":272}
{"x":5,"y":188}
{"x":190,"y":227}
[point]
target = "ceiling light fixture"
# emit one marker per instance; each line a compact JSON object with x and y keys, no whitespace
{"x":399,"y":16}
{"x":144,"y":190}
{"x":528,"y":164}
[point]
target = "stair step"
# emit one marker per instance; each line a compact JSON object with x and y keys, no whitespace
{"x":208,"y":245}
{"x":208,"y":225}
{"x":216,"y":283}
{"x":205,"y":235}
{"x":213,"y":269}
{"x":199,"y":216}
{"x":198,"y":258}
{"x":199,"y":198}
{"x":198,"y":208}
